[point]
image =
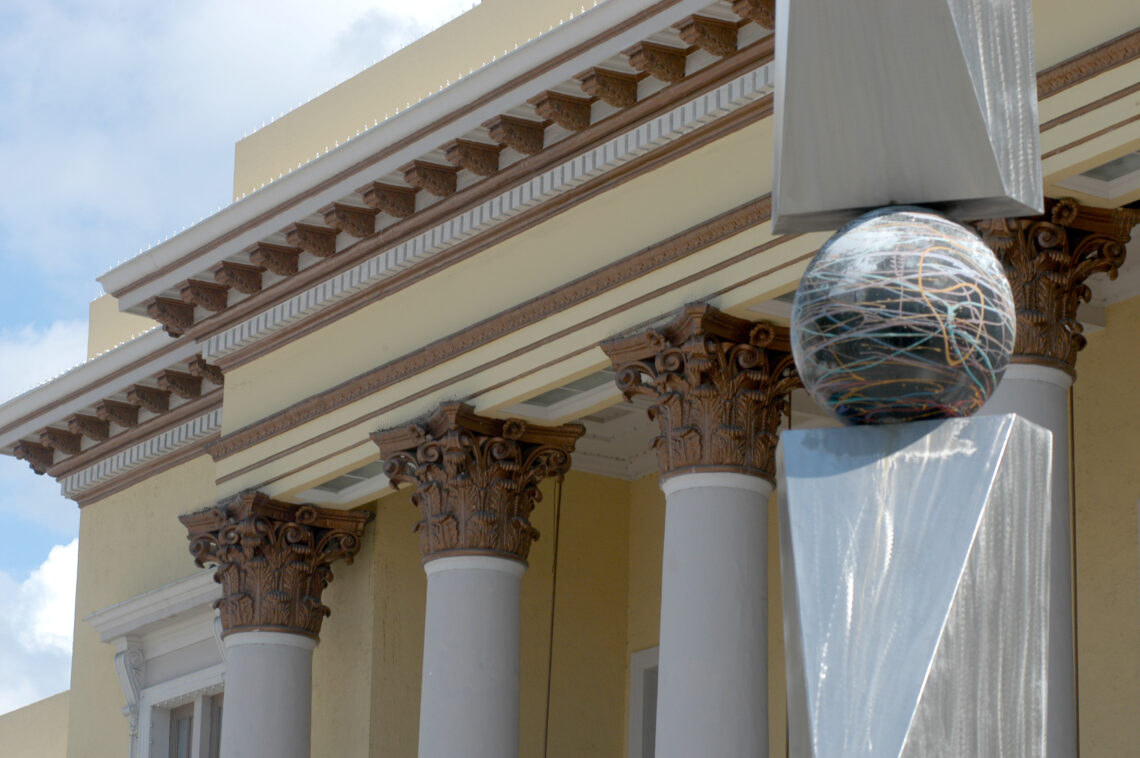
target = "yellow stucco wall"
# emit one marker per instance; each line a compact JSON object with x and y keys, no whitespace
{"x":406,"y":76}
{"x":646,"y":540}
{"x":36,"y":730}
{"x":1106,"y":435}
{"x":342,"y":662}
{"x":589,"y":654}
{"x":129,"y":543}
{"x":107,"y":326}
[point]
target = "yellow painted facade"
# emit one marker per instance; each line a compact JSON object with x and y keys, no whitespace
{"x":1106,"y":440}
{"x":606,"y":591}
{"x":108,"y":327}
{"x":404,"y":78}
{"x":36,"y":730}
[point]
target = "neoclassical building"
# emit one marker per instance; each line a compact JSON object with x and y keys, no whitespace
{"x":376,"y":460}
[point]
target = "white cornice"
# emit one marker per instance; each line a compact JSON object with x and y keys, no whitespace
{"x":488,"y":87}
{"x":88,"y":383}
{"x":607,"y":157}
{"x":169,"y":441}
{"x":134,"y":616}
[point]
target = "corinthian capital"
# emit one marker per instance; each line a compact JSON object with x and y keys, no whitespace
{"x":1047,"y":260}
{"x":476,"y":478}
{"x":273,"y":559}
{"x":719,"y":386}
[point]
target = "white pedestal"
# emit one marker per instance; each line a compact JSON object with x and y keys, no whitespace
{"x":1041,"y":394}
{"x":712,"y":697}
{"x":469,"y":706}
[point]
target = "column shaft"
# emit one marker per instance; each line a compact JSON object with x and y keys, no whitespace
{"x":469,"y":703}
{"x":268,"y":706}
{"x":712,"y":697}
{"x":1041,"y":394}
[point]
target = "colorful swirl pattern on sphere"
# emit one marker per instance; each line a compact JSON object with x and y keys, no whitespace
{"x":902,"y":315}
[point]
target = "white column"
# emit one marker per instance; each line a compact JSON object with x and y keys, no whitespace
{"x":268,"y":706}
{"x":712,"y":691}
{"x":469,"y":703}
{"x":1041,"y":394}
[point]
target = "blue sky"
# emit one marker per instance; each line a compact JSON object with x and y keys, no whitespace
{"x":117,"y":125}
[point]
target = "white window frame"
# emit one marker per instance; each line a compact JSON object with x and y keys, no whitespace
{"x":161,"y":623}
{"x":640,"y":664}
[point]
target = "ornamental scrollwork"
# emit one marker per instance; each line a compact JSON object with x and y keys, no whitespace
{"x":476,"y":479}
{"x":719,"y":387}
{"x":273,"y":559}
{"x":1047,"y":260}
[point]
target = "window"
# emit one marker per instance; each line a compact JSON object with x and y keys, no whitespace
{"x":170,"y":662}
{"x":643,"y":703}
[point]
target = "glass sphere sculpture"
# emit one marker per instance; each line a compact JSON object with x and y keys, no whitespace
{"x":902,"y":315}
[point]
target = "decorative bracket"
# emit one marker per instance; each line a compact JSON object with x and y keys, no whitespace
{"x":567,"y":111}
{"x":213,"y":297}
{"x":710,"y":34}
{"x":279,"y":259}
{"x":239,"y":276}
{"x":398,"y":202}
{"x":350,"y":219}
{"x":659,"y":61}
{"x":437,"y":180}
{"x":614,"y":87}
{"x":477,"y":157}
{"x":519,"y":134}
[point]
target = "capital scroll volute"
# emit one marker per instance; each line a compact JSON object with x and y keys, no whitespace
{"x":718,"y":387}
{"x":273,"y":559}
{"x":476,"y":479}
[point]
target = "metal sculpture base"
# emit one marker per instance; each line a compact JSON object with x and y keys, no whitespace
{"x":892,"y":102}
{"x":915,"y":561}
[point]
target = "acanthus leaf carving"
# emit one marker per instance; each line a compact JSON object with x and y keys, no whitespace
{"x":174,"y":315}
{"x":398,"y":202}
{"x":208,"y":295}
{"x":519,"y":134}
{"x":61,"y":441}
{"x":279,"y":259}
{"x":659,"y":61}
{"x":39,"y":457}
{"x":94,"y":429}
{"x":476,"y":478}
{"x":479,"y":158}
{"x":710,"y":34}
{"x":185,"y":386}
{"x":149,"y":398}
{"x":273,"y":559}
{"x":321,"y":241}
{"x":122,"y":414}
{"x":350,"y":219}
{"x":130,"y":667}
{"x":1047,"y":260}
{"x":244,"y":278}
{"x":614,"y":87}
{"x":763,"y":12}
{"x":437,"y":180}
{"x":198,"y":367}
{"x":569,"y":112}
{"x":719,"y":387}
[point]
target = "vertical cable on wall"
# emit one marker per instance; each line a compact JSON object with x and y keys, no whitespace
{"x":553,"y":597}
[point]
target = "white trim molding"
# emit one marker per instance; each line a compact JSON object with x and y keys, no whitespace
{"x":170,"y":622}
{"x":170,"y":441}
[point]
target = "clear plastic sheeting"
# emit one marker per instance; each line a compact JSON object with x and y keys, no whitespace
{"x":915,"y":562}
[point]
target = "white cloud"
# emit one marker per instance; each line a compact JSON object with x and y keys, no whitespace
{"x":37,"y":616}
{"x":30,"y":354}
